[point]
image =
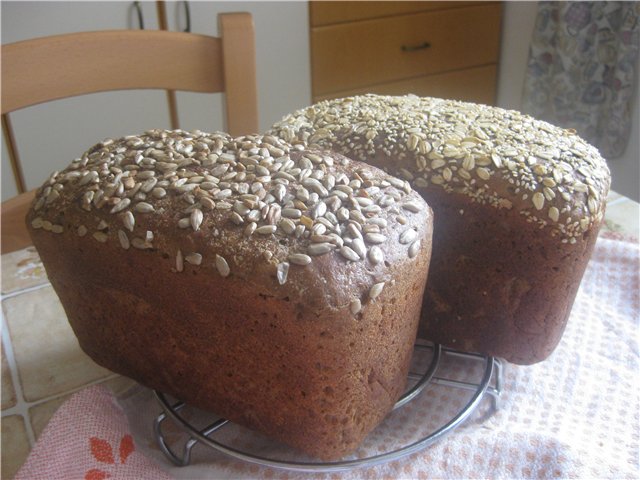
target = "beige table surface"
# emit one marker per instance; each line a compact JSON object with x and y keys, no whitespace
{"x":42,"y":364}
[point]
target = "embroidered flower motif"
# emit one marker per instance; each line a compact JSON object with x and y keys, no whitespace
{"x":95,"y":474}
{"x":103,"y":452}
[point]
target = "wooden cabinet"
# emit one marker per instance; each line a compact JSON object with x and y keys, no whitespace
{"x":444,"y":49}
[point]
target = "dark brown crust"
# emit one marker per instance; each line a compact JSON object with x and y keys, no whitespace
{"x":317,"y":382}
{"x":289,"y":360}
{"x":511,"y":238}
{"x":496,"y":285}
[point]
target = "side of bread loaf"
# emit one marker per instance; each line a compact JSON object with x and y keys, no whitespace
{"x":275,"y":286}
{"x":517,"y":204}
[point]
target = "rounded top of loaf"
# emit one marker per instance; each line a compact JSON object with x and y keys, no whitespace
{"x":253,"y":208}
{"x":497,"y":157}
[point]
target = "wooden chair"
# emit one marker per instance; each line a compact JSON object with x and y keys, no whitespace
{"x":50,"y":68}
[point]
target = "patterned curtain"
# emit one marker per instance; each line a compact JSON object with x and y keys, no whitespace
{"x":582,"y":69}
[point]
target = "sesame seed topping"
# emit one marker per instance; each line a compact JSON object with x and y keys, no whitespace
{"x":496,"y":157}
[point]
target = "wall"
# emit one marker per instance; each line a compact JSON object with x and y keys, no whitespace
{"x":518,"y":23}
{"x":57,"y":133}
{"x":50,"y":136}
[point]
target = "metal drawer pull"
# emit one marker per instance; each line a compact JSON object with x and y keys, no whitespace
{"x":413,"y":48}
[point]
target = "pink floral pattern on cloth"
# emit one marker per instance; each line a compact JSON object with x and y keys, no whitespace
{"x":89,"y":438}
{"x":582,"y":67}
{"x":575,"y":415}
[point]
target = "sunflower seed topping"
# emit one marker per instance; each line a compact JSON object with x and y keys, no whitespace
{"x":141,"y":244}
{"x":319,"y":248}
{"x":179,"y":261}
{"x":408,"y":236}
{"x":349,"y":254}
{"x":414,"y":248}
{"x":128,"y":221}
{"x":538,"y":200}
{"x":299,"y":259}
{"x":222,"y":266}
{"x":194,"y":258}
{"x":196,"y":218}
{"x":376,"y":290}
{"x":123,"y":239}
{"x":355,"y":306}
{"x":101,"y":236}
{"x":412,"y":206}
{"x":375,"y":238}
{"x":266,"y":229}
{"x":291,"y":213}
{"x":144,"y":207}
{"x":357,"y":245}
{"x":298,"y":200}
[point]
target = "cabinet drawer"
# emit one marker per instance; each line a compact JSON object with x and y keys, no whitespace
{"x":350,"y":56}
{"x":329,"y":12}
{"x":477,"y":84}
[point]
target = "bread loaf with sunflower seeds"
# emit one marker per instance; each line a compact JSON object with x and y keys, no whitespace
{"x":517,"y":203}
{"x":277,"y":286}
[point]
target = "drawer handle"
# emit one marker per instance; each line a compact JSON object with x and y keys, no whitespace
{"x":413,"y":48}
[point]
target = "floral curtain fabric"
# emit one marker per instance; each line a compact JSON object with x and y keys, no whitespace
{"x":582,"y":68}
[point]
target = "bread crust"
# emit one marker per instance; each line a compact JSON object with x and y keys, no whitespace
{"x":517,"y":202}
{"x":293,"y":359}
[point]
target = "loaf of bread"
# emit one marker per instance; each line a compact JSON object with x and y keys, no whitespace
{"x":517,"y":205}
{"x":275,"y":286}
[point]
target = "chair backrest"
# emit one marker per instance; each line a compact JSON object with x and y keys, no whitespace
{"x":50,"y":68}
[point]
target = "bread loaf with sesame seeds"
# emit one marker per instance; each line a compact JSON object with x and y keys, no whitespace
{"x":276,"y":286}
{"x":517,"y":203}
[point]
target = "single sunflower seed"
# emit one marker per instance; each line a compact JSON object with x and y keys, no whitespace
{"x":124,"y":240}
{"x":266,"y":229}
{"x":349,"y":254}
{"x":376,"y":290}
{"x":375,"y":255}
{"x":222,"y":266}
{"x":319,"y":248}
{"x":194,"y":258}
{"x":196,"y":218}
{"x":408,"y":236}
{"x":355,"y":306}
{"x":299,"y":259}
{"x":414,"y":248}
{"x":179,"y":261}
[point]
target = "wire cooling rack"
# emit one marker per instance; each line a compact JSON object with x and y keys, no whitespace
{"x":449,"y":383}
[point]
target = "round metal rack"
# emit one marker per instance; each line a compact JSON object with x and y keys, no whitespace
{"x":430,"y":373}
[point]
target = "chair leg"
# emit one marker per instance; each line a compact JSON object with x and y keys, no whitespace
{"x":14,"y":159}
